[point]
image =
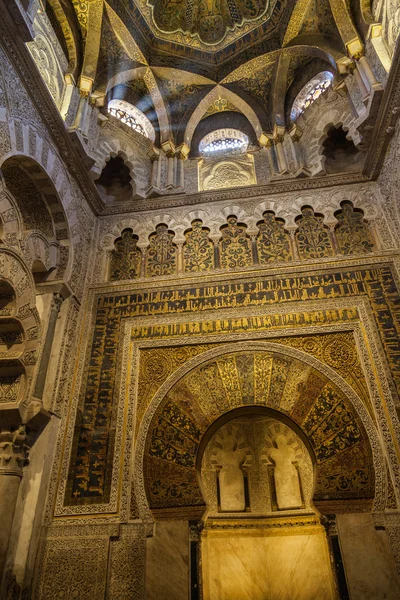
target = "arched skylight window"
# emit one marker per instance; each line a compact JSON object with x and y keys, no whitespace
{"x":310,"y":92}
{"x":133,"y":117}
{"x":224,"y":141}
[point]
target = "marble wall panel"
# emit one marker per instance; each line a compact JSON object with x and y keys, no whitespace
{"x":167,"y":562}
{"x":367,"y":559}
{"x":255,"y":565}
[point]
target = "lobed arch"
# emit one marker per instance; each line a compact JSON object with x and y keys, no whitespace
{"x":174,"y":390}
{"x":20,"y":318}
{"x":33,"y":215}
{"x":138,"y":170}
{"x":29,"y":146}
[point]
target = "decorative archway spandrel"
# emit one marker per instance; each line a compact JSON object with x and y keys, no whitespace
{"x":329,"y":421}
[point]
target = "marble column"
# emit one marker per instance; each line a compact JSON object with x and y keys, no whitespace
{"x":360,"y":82}
{"x":181,"y":173}
{"x":179,"y":246}
{"x":272,"y":159}
{"x":182,"y":152}
{"x":154,"y":171}
{"x":281,"y":156}
{"x":298,"y":155}
{"x":293,"y":243}
{"x":367,"y":73}
{"x":332,"y":236}
{"x":13,"y":457}
{"x":80,"y":113}
{"x":170,"y":170}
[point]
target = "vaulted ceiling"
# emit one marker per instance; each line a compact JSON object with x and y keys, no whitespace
{"x":170,"y":56}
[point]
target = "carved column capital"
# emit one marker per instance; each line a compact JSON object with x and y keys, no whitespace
{"x":57,"y":301}
{"x":13,"y":451}
{"x":329,"y":522}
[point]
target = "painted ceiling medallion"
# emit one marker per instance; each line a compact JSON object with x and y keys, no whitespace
{"x":208,"y":20}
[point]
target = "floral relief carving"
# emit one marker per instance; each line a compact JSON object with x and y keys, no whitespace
{"x":126,"y":257}
{"x":198,"y":250}
{"x":273,"y":242}
{"x":312,"y":236}
{"x":234,"y":245}
{"x":351,"y":232}
{"x":161,"y":258}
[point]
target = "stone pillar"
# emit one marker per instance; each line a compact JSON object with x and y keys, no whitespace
{"x":143,"y":261}
{"x":180,"y":174}
{"x":280,"y":151}
{"x":182,"y":152}
{"x":55,"y":306}
{"x":215,"y":241}
{"x":169,"y":149}
{"x":253,"y":237}
{"x":266,"y":141}
{"x":367,"y":74}
{"x":80,"y":113}
{"x":179,"y":261}
{"x":295,"y":252}
{"x":360,"y":83}
{"x":170,"y":170}
{"x":332,"y":236}
{"x":329,"y":522}
{"x":298,"y":155}
{"x":272,"y":159}
{"x":367,"y":558}
{"x":154,"y":156}
{"x":13,"y":457}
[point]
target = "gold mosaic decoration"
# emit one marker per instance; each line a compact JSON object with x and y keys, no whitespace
{"x":277,"y":381}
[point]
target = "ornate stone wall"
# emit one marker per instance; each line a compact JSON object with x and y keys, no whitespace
{"x":147,"y":322}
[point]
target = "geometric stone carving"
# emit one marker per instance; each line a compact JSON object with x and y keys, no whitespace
{"x":198,"y":250}
{"x":351,"y":232}
{"x":161,"y":255}
{"x":273,"y":242}
{"x":126,"y":257}
{"x":74,"y":567}
{"x":312,"y":236}
{"x":234,"y":245}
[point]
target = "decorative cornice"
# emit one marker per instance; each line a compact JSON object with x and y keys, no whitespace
{"x":19,"y":56}
{"x":249,"y":192}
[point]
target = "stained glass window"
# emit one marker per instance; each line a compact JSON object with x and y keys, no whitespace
{"x":310,"y":92}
